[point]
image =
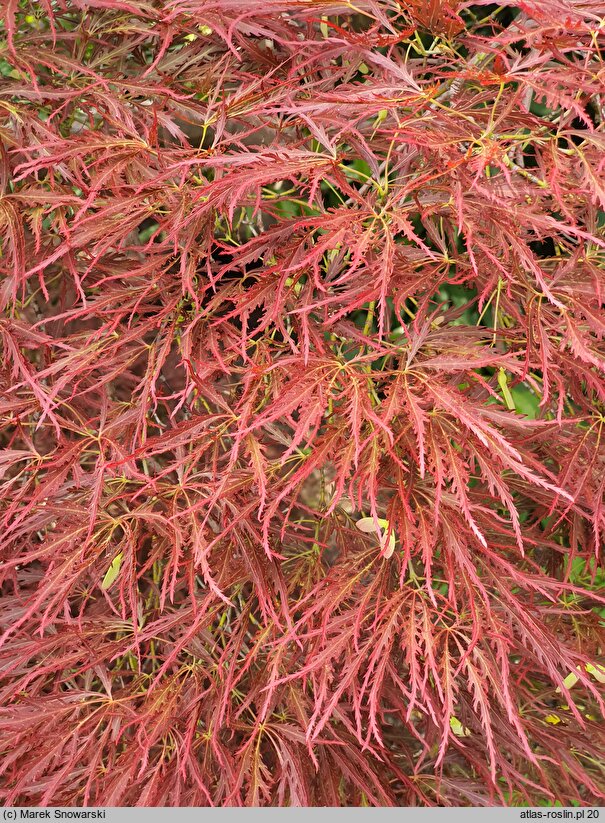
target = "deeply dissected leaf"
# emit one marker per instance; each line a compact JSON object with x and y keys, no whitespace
{"x":289,"y":289}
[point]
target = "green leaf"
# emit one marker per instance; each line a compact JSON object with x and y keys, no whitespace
{"x":458,"y":729}
{"x":570,"y":681}
{"x":112,"y":572}
{"x":503,"y":383}
{"x":526,"y":402}
{"x":597,"y":671}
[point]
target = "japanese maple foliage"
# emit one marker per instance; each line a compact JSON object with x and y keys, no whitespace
{"x":303,"y":395}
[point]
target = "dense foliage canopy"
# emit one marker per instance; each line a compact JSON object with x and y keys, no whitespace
{"x":302,"y":402}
